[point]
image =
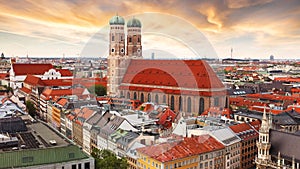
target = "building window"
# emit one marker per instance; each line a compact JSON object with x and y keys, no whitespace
{"x":216,"y":101}
{"x":180,"y":103}
{"x":73,"y":166}
{"x":156,"y":98}
{"x":172,"y":103}
{"x":189,"y":105}
{"x":164,"y":99}
{"x":112,"y":38}
{"x":71,"y":155}
{"x":112,"y":50}
{"x":130,"y":39}
{"x":79,"y":166}
{"x":122,"y":50}
{"x":201,"y":105}
{"x":134,"y":96}
{"x":149,"y":97}
{"x":87,"y":165}
{"x":128,"y":95}
{"x":139,"y":40}
{"x":142,"y":97}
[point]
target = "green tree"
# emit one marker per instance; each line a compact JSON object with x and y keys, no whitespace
{"x":30,"y":108}
{"x":108,"y":160}
{"x":98,"y":89}
{"x":8,"y":88}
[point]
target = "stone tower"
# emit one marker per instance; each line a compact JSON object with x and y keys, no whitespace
{"x":119,"y":59}
{"x":116,"y":54}
{"x":263,"y":144}
{"x":134,"y":38}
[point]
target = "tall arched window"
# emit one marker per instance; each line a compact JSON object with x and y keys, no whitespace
{"x":134,"y":96}
{"x":142,"y":97}
{"x":201,"y":106}
{"x":216,"y":101}
{"x":172,"y":103}
{"x":164,"y":99}
{"x":189,"y":105}
{"x":156,"y":98}
{"x":149,"y":97}
{"x":128,"y":95}
{"x":180,"y":103}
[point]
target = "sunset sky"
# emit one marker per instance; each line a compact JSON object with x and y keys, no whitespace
{"x":253,"y":28}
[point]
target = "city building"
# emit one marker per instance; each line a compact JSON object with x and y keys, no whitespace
{"x":274,"y":150}
{"x":248,"y":135}
{"x":191,"y":152}
{"x":160,"y":81}
{"x":19,"y":71}
{"x":55,"y":157}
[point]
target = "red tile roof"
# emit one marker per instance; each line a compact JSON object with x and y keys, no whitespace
{"x":172,"y":73}
{"x":62,"y":101}
{"x":25,"y":90}
{"x":166,"y":118}
{"x":287,"y":79}
{"x":216,"y":111}
{"x":88,"y":82}
{"x":4,"y":75}
{"x":188,"y":147}
{"x":33,"y":80}
{"x":65,"y":72}
{"x":245,"y":131}
{"x":52,"y":93}
{"x":33,"y":69}
{"x":58,"y":82}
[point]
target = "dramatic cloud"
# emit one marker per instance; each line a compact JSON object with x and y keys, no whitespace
{"x":254,"y":28}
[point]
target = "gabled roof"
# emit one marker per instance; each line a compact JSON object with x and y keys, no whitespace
{"x":25,"y":90}
{"x":224,"y":135}
{"x":218,"y":111}
{"x":51,"y":93}
{"x":65,"y":72}
{"x":62,"y":101}
{"x":33,"y":69}
{"x":190,"y":146}
{"x":83,"y":115}
{"x":58,"y":82}
{"x":33,"y":80}
{"x":4,"y":75}
{"x":244,"y":131}
{"x":171,"y":73}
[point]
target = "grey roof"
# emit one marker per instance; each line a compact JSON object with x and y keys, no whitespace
{"x":224,"y":135}
{"x":242,"y":91}
{"x":112,"y":124}
{"x":284,"y":119}
{"x":94,"y":119}
{"x":131,"y":152}
{"x":286,"y":143}
{"x":127,"y":139}
{"x":12,"y":125}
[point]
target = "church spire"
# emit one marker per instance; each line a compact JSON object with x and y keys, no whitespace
{"x":265,"y":123}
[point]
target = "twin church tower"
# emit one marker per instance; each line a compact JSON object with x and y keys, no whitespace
{"x":121,"y":51}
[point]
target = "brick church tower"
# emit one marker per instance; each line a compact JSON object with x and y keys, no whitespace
{"x":118,"y":58}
